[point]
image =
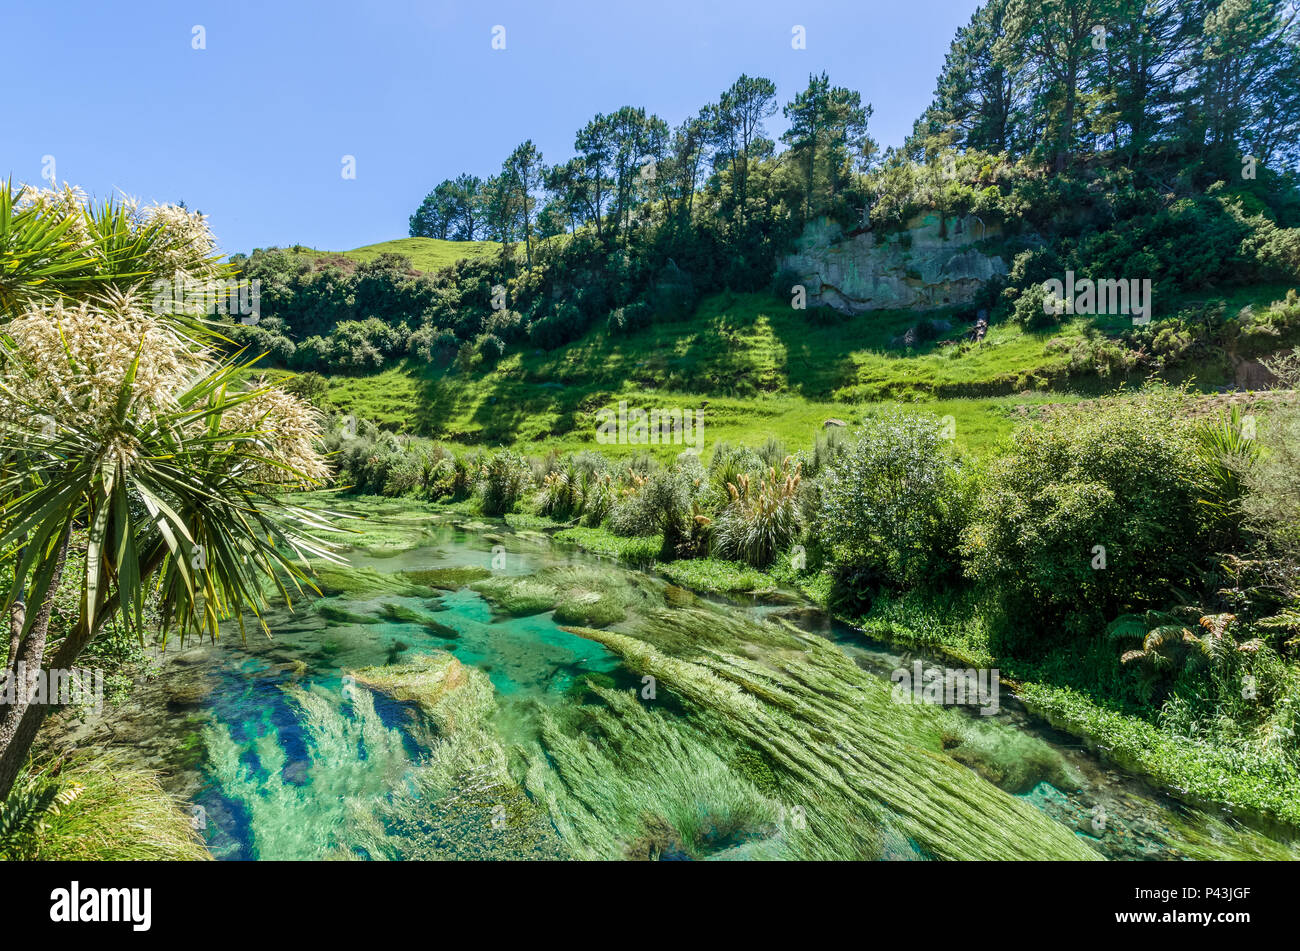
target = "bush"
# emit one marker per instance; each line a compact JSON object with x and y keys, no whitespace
{"x":504,"y":479}
{"x":762,"y":517}
{"x":629,"y":319}
{"x":435,"y":345}
{"x":665,"y":502}
{"x":95,"y":808}
{"x":888,"y":503}
{"x":1124,"y":476}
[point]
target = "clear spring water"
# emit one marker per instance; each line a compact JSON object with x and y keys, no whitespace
{"x":282,"y":760}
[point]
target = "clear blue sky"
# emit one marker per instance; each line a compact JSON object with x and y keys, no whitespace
{"x":252,"y":129}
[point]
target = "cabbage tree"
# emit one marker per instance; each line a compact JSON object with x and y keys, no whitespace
{"x":129,"y":426}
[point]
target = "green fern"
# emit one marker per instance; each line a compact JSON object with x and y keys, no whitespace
{"x":25,"y":813}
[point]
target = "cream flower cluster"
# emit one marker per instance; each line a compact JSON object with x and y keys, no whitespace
{"x":74,"y":359}
{"x":186,"y":242}
{"x":183,"y":242}
{"x":64,"y":203}
{"x":66,"y":366}
{"x":286,"y":429}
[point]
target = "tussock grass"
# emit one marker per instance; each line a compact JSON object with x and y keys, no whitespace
{"x":98,"y":808}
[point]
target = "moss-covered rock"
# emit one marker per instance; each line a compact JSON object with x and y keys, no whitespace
{"x":452,"y":695}
{"x":446,"y":579}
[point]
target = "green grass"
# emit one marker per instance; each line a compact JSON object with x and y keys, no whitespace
{"x":600,"y":541}
{"x":1258,"y":788}
{"x":1199,"y":772}
{"x":716,"y":575}
{"x":754,"y":368}
{"x":751,"y":368}
{"x":106,"y":810}
{"x":426,"y":254}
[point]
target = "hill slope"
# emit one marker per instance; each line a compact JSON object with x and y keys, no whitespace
{"x":426,"y":254}
{"x":755,"y":368}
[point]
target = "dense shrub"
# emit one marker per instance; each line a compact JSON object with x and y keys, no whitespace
{"x":504,"y":478}
{"x":886,"y":503}
{"x":664,"y":502}
{"x":761,"y":518}
{"x":1125,"y":477}
{"x":434,"y":345}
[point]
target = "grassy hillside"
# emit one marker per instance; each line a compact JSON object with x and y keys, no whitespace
{"x":755,"y":368}
{"x":426,"y":254}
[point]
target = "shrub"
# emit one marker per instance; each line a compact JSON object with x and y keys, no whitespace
{"x":666,"y":502}
{"x":561,"y":496}
{"x":435,"y":345}
{"x":503,"y":480}
{"x":887,"y":501}
{"x":762,"y":517}
{"x":727,"y":464}
{"x":1124,"y":476}
{"x":629,"y":319}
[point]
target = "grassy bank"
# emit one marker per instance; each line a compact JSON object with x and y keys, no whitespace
{"x":753,"y":368}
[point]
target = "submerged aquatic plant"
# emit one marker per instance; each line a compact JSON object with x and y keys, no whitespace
{"x":363,"y":795}
{"x":578,"y":594}
{"x":631,"y":782}
{"x":832,"y":735}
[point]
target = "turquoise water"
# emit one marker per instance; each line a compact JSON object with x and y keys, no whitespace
{"x":294,"y":760}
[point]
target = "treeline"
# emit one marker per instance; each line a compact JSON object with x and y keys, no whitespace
{"x":653,"y":218}
{"x":628,"y":159}
{"x":1064,"y":78}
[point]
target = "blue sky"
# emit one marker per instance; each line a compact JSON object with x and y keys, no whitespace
{"x":252,"y":130}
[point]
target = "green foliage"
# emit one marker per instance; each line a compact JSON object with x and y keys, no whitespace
{"x":664,"y":503}
{"x":504,"y":479}
{"x":761,"y":517}
{"x":1227,"y":453}
{"x":1124,"y":477}
{"x":96,"y":809}
{"x":636,"y":550}
{"x":888,"y":503}
{"x":717,"y":575}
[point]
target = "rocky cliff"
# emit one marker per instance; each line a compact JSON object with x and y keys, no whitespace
{"x":915,"y":269}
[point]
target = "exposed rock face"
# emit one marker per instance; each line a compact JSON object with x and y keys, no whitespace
{"x":916,"y":269}
{"x":1252,"y":375}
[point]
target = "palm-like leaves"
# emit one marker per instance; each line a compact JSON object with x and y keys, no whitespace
{"x":123,"y":424}
{"x":38,"y":252}
{"x":175,"y":496}
{"x":1227,"y":452}
{"x":73,"y":250}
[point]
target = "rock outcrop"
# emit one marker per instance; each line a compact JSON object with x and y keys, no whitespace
{"x":915,"y":269}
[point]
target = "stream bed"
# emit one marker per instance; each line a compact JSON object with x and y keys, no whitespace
{"x":465,"y":691}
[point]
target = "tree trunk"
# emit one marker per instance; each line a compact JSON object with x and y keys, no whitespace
{"x":20,"y":720}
